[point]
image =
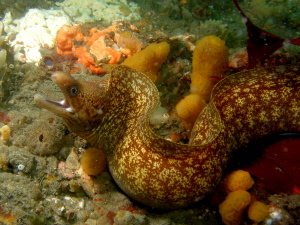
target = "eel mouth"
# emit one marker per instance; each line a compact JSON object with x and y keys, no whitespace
{"x":60,"y":108}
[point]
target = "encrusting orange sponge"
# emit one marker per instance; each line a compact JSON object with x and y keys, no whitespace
{"x":209,"y":63}
{"x":257,"y":211}
{"x":150,"y":59}
{"x":64,"y":39}
{"x":233,"y":207}
{"x":94,"y":50}
{"x":237,"y":180}
{"x":93,"y":161}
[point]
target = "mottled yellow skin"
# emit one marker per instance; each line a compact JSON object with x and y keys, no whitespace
{"x":112,"y":114}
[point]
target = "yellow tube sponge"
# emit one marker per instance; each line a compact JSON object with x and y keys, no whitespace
{"x":150,"y":59}
{"x":237,"y":180}
{"x":209,"y":62}
{"x":233,"y":207}
{"x":257,"y":211}
{"x":189,"y":108}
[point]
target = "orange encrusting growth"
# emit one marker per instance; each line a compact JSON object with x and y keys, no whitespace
{"x":98,"y":48}
{"x":64,"y":39}
{"x":149,"y":60}
{"x":209,"y":63}
{"x":93,"y":161}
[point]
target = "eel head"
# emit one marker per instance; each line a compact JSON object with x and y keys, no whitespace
{"x":83,"y":105}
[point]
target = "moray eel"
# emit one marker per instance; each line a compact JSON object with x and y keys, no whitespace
{"x":113,"y":114}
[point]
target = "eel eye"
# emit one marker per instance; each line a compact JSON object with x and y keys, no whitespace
{"x":73,"y":90}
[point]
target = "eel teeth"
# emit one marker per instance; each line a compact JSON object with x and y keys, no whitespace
{"x":62,"y":104}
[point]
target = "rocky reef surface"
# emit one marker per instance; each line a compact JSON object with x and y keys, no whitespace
{"x":42,"y":180}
